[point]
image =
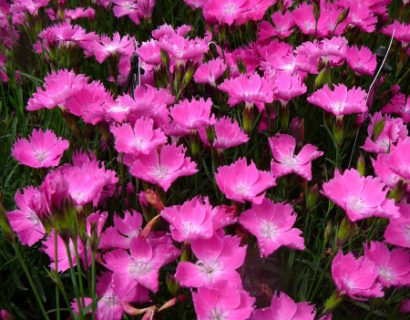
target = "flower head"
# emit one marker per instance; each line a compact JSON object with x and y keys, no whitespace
{"x":210,"y":71}
{"x":400,"y":105}
{"x":398,"y":230}
{"x":194,"y":114}
{"x":360,"y":197}
{"x":271,"y":223}
{"x":340,"y":101}
{"x":399,"y":158}
{"x":356,"y":278}
{"x":241,"y":182}
{"x":42,"y":150}
{"x":362,"y":60}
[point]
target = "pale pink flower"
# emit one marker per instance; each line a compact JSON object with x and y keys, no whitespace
{"x":58,"y":86}
{"x":41,"y":150}
{"x":360,"y":197}
{"x":399,"y":158}
{"x":392,"y":266}
{"x":194,"y":114}
{"x":240,"y":182}
{"x":123,"y":231}
{"x":382,"y":170}
{"x":399,"y":105}
{"x":356,"y":278}
{"x":218,"y":259}
{"x":224,"y":300}
{"x":163,"y":167}
{"x":196,"y":219}
{"x":393,"y":130}
{"x":210,"y":71}
{"x":25,"y":220}
{"x":285,"y":160}
{"x":362,"y":60}
{"x":271,"y":223}
{"x":141,"y":138}
{"x":139,"y":268}
{"x":398,"y":230}
{"x":252,"y":90}
{"x":228,"y":134}
{"x":340,"y":101}
{"x":283,"y":307}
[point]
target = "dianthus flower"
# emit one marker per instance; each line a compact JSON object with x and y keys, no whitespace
{"x":397,"y":232}
{"x":340,"y":101}
{"x":271,"y":223}
{"x":283,"y":307}
{"x":362,"y":60}
{"x":163,"y":167}
{"x":42,"y":149}
{"x":400,"y":105}
{"x":106,"y":47}
{"x":399,"y":158}
{"x":360,"y":197}
{"x":356,"y":278}
{"x":285,"y":160}
{"x":241,"y":182}
{"x":210,"y":71}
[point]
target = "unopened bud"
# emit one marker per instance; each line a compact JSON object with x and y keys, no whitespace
{"x":361,"y":165}
{"x":378,"y":129}
{"x":344,"y":231}
{"x":172,"y":284}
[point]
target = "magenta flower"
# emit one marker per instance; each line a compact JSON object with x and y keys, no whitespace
{"x":25,"y":220}
{"x":58,"y":87}
{"x":402,"y":32}
{"x":163,"y":167}
{"x":119,"y":109}
{"x":283,"y":24}
{"x":392,"y":266}
{"x":194,"y":114}
{"x":356,"y":278}
{"x":285,"y":161}
{"x":393,"y":130}
{"x":210,"y":71}
{"x":139,"y":268}
{"x":195,"y":219}
{"x":382,"y":170}
{"x":360,"y":197}
{"x":397,"y":232}
{"x":362,"y":60}
{"x":224,"y":300}
{"x":41,"y":150}
{"x":288,"y":86}
{"x":283,"y":307}
{"x":228,"y":134}
{"x":141,"y":138}
{"x":340,"y":101}
{"x":271,"y":223}
{"x":399,"y":105}
{"x":124,"y":230}
{"x":218,"y":259}
{"x":126,"y":8}
{"x":252,"y":90}
{"x":150,"y":53}
{"x":241,"y":182}
{"x":304,"y":18}
{"x":78,"y":13}
{"x":399,"y":158}
{"x":223,"y":12}
{"x":107,"y":47}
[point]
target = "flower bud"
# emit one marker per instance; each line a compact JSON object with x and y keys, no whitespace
{"x":312,"y":197}
{"x":361,"y":165}
{"x":172,"y":284}
{"x":344,"y":231}
{"x":333,"y":301}
{"x":248,"y":116}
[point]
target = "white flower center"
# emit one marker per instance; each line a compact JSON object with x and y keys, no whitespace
{"x":209,"y":268}
{"x":268,"y":229}
{"x":386,"y":273}
{"x":338,"y":106}
{"x":217,"y":314}
{"x":355,"y":203}
{"x":139,"y":267}
{"x":290,"y":161}
{"x":160,"y":172}
{"x":230,"y":8}
{"x":243,"y":189}
{"x":41,"y":155}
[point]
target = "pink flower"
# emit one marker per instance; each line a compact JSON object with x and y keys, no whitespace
{"x":402,"y":31}
{"x":126,"y":8}
{"x":218,"y":259}
{"x":78,"y":13}
{"x":382,"y":170}
{"x":271,"y":223}
{"x":42,"y":149}
{"x":360,"y":197}
{"x":285,"y":161}
{"x":399,"y":158}
{"x":107,"y":47}
{"x":288,"y":86}
{"x":399,"y":105}
{"x":58,"y":86}
{"x":393,"y":130}
{"x":392,"y":266}
{"x":284,"y":24}
{"x":405,"y":306}
{"x":398,"y":230}
{"x":25,"y":221}
{"x":142,"y":138}
{"x":241,"y":182}
{"x":150,"y":53}
{"x":210,"y":71}
{"x":194,"y":114}
{"x":224,"y":300}
{"x":252,"y":90}
{"x":360,"y":15}
{"x":362,"y":60}
{"x":124,"y":230}
{"x":139,"y":268}
{"x":118,"y":110}
{"x":224,"y":12}
{"x":228,"y":134}
{"x":340,"y":101}
{"x":196,"y":219}
{"x":304,"y":18}
{"x":163,"y":167}
{"x":356,"y":278}
{"x":283,"y":307}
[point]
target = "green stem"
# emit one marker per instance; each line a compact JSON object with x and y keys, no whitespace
{"x":56,"y":271}
{"x":30,"y":280}
{"x":74,"y":280}
{"x":79,"y":273}
{"x":93,"y":302}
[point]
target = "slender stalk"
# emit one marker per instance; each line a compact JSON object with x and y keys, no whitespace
{"x":93,"y":302}
{"x":79,"y":273}
{"x":56,"y":270}
{"x":30,"y":280}
{"x":74,"y":280}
